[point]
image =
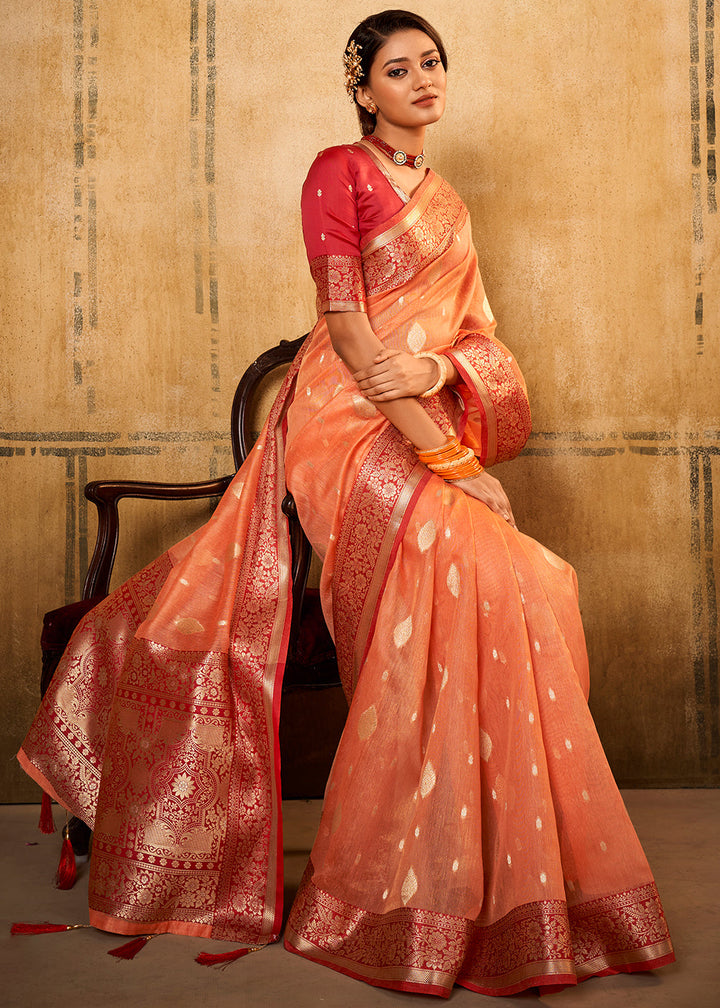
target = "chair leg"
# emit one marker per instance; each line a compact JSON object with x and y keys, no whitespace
{"x":79,"y":834}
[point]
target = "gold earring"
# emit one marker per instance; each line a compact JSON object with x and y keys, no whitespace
{"x":371,"y":107}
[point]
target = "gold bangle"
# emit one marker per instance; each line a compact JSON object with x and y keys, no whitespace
{"x":442,"y":369}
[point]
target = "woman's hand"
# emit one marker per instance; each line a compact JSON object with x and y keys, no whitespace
{"x":487,"y":489}
{"x":395,"y":374}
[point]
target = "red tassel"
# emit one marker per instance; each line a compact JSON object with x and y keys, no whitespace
{"x":223,"y":959}
{"x":130,"y":949}
{"x":66,"y":872}
{"x":45,"y":928}
{"x":46,"y":824}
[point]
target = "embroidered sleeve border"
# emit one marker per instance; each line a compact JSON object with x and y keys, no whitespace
{"x":340,"y":283}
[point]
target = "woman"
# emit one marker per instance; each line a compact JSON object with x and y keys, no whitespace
{"x":471,"y":832}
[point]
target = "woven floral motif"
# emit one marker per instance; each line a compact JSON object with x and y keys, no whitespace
{"x":542,"y":942}
{"x":340,"y":283}
{"x":401,"y":258}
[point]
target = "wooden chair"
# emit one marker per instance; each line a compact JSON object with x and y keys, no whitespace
{"x":311,"y":687}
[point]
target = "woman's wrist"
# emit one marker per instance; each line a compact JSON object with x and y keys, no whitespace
{"x":441,"y":364}
{"x":451,"y":460}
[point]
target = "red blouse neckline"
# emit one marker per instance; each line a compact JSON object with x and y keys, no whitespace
{"x":377,"y":163}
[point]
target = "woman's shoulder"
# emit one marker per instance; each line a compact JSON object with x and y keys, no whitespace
{"x":339,"y":154}
{"x":342,"y":160}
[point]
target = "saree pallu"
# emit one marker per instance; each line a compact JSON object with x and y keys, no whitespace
{"x":160,"y":726}
{"x":472,"y":832}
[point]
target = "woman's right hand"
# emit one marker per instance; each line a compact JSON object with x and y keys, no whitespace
{"x":489,"y":490}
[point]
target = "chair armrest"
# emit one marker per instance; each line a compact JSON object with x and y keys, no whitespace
{"x":106,"y":494}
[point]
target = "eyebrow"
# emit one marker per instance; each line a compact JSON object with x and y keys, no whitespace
{"x":405,"y":59}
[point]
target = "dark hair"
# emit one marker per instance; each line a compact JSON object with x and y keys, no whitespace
{"x":371,"y":34}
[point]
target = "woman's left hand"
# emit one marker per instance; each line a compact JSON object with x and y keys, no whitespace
{"x":395,"y":374}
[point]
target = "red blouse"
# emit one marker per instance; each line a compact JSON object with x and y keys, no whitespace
{"x":344,"y":198}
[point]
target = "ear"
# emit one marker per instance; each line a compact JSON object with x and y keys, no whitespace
{"x":364,"y":96}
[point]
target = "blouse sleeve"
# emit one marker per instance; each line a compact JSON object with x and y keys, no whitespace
{"x":331,"y":232}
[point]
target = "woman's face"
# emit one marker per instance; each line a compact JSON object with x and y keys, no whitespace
{"x":406,"y":81}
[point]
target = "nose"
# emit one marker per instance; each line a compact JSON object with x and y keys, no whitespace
{"x":422,"y":80}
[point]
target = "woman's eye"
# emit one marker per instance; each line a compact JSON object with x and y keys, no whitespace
{"x":396,"y":72}
{"x":431,"y":63}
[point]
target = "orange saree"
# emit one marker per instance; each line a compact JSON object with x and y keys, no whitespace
{"x":472,"y":832}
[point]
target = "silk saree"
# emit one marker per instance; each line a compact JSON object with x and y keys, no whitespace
{"x":471,"y":832}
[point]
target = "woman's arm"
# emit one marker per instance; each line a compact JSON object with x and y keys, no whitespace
{"x":358,"y":347}
{"x":395,"y":373}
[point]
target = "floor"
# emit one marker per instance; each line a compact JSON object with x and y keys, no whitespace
{"x":680,"y":831}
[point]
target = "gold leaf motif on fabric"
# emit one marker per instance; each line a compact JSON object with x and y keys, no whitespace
{"x":403,"y":632}
{"x":409,"y":887}
{"x":426,"y":536}
{"x":363,"y":407}
{"x":336,"y":819}
{"x":416,"y":337}
{"x":428,"y":779}
{"x":453,"y":581}
{"x":367,"y":723}
{"x":485,"y":745}
{"x":189,"y":625}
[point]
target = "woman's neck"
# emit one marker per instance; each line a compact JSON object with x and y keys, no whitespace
{"x":401,"y":138}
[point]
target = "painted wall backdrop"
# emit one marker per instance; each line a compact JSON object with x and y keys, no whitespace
{"x":152,"y":160}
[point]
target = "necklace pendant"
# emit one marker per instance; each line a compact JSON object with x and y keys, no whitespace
{"x":399,"y":157}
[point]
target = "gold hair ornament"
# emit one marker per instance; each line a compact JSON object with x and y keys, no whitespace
{"x":352,"y":61}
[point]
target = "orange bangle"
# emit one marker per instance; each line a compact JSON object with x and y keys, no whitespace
{"x":467,"y":471}
{"x":440,"y":467}
{"x":451,"y":449}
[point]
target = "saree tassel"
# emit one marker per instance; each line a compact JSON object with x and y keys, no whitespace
{"x":130,"y":949}
{"x":67,"y":871}
{"x":223,"y":959}
{"x":24,"y":927}
{"x":47,"y":823}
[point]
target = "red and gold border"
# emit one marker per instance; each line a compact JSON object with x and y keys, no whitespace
{"x":340,"y":283}
{"x":497,"y":407}
{"x":543,"y":944}
{"x":377,"y":511}
{"x":414,"y":239}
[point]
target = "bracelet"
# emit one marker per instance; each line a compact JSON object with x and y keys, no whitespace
{"x":466,"y":456}
{"x":465,"y":469}
{"x":442,"y":369}
{"x":449,"y":450}
{"x":468,"y":471}
{"x":451,"y":461}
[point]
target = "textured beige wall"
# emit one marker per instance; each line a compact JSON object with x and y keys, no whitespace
{"x":152,"y":160}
